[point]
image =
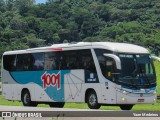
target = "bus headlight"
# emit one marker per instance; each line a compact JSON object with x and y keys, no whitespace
{"x":155,"y":92}
{"x":123,"y":99}
{"x":124,"y":91}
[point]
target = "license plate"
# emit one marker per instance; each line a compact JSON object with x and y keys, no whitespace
{"x":140,"y":100}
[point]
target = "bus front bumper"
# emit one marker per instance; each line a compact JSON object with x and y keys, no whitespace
{"x":136,"y":98}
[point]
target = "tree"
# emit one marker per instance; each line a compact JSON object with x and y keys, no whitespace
{"x":18,"y":23}
{"x":2,"y":5}
{"x":33,"y":42}
{"x":104,"y":12}
{"x":33,"y":23}
{"x":24,"y":5}
{"x":9,"y":4}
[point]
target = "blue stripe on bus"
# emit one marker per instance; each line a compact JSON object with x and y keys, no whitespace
{"x":153,"y":88}
{"x":51,"y":78}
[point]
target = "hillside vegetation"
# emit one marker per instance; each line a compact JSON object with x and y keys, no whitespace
{"x":24,"y":24}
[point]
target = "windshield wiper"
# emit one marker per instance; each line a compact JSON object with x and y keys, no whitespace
{"x":143,"y":75}
{"x":129,"y":78}
{"x":135,"y":71}
{"x":130,"y":85}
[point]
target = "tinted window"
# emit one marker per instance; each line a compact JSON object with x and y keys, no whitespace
{"x":101,"y":59}
{"x":100,"y":52}
{"x":66,"y":60}
{"x":52,"y":60}
{"x":23,"y":62}
{"x":107,"y":64}
{"x":9,"y":62}
{"x":69,"y":60}
{"x":77,"y":59}
{"x":86,"y":60}
{"x":128,"y":64}
{"x":37,"y":61}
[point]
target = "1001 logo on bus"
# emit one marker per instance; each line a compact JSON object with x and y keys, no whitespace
{"x":51,"y":80}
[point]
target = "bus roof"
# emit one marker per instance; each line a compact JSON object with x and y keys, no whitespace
{"x":123,"y":47}
{"x":112,"y":46}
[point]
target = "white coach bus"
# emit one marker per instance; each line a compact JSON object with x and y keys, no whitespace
{"x":96,"y":73}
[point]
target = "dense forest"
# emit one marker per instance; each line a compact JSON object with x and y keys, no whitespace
{"x":24,"y":24}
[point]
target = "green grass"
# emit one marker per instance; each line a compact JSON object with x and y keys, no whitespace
{"x":157,"y":68}
{"x":138,"y":107}
{"x":143,"y":107}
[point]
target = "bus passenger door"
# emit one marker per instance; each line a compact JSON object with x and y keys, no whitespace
{"x":111,"y":72}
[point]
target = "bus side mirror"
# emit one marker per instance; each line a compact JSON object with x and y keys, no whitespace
{"x":116,"y":58}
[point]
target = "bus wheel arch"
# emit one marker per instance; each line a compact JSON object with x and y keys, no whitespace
{"x":91,"y":99}
{"x":26,"y":98}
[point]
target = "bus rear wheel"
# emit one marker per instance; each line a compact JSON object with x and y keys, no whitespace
{"x":57,"y":104}
{"x":126,"y":107}
{"x":92,"y":100}
{"x":26,"y":99}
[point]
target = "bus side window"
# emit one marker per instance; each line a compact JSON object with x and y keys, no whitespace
{"x":37,"y":61}
{"x":20,"y":62}
{"x":62,"y":64}
{"x":71,"y":63}
{"x":23,"y":62}
{"x":102,"y":63}
{"x":50,"y":61}
{"x":69,"y":60}
{"x":9,"y":62}
{"x":77,"y":59}
{"x":110,"y":69}
{"x":86,"y":60}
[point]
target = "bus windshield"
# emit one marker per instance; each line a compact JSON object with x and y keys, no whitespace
{"x":137,"y":71}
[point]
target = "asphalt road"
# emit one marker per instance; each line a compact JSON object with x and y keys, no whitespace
{"x":67,"y":114}
{"x":23,"y":108}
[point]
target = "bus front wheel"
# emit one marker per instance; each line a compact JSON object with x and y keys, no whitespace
{"x":92,"y":100}
{"x":126,"y":107}
{"x":26,"y":99}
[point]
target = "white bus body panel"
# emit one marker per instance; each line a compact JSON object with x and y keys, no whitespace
{"x":74,"y":81}
{"x":11,"y":90}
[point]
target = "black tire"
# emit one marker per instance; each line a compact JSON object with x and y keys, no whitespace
{"x":126,"y":107}
{"x":92,"y":100}
{"x":26,"y":99}
{"x":57,"y":104}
